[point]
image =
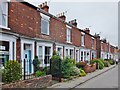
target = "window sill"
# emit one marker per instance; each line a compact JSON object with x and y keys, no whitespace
{"x":69,"y":42}
{"x":45,"y":34}
{"x":83,"y":45}
{"x":3,"y":27}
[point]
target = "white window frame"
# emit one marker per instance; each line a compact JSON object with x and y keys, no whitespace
{"x":77,"y":57}
{"x":83,"y":40}
{"x":69,"y":48}
{"x":61,"y":55}
{"x":68,"y":34}
{"x":72,"y":56}
{"x":43,"y":45}
{"x":47,"y":19}
{"x":85,"y":56}
{"x":4,"y":14}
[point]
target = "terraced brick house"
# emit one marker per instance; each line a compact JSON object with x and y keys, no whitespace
{"x":28,"y":31}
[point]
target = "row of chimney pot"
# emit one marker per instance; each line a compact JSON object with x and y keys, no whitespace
{"x":62,"y":16}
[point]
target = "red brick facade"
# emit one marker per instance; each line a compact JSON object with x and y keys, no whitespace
{"x":24,"y":19}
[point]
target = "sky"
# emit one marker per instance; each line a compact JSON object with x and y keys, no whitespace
{"x":101,"y":16}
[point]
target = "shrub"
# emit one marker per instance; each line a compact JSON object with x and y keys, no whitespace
{"x":74,"y":71}
{"x":106,"y":63}
{"x":111,"y":62}
{"x":12,"y":71}
{"x":39,"y":73}
{"x":67,"y":67}
{"x":82,"y":72}
{"x":55,"y":70}
{"x":99,"y":62}
{"x":36,"y":63}
{"x":81,"y":64}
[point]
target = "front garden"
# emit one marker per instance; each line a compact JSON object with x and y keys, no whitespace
{"x":67,"y":68}
{"x":64,"y":69}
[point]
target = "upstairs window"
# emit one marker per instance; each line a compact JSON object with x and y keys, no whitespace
{"x":44,"y":24}
{"x":3,"y":13}
{"x":68,"y":35}
{"x":83,"y":40}
{"x":92,"y":43}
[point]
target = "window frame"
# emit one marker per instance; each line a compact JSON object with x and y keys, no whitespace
{"x":93,"y":41}
{"x":46,"y":19}
{"x":71,"y":53}
{"x":82,"y":39}
{"x":68,"y":35}
{"x":4,"y":14}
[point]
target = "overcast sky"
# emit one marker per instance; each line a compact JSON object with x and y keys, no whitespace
{"x":101,"y":16}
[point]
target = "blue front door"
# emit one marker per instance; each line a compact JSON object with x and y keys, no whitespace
{"x":28,"y":61}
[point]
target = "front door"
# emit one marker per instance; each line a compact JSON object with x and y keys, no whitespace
{"x":28,"y":61}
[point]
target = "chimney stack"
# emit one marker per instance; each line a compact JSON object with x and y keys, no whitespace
{"x":87,"y":30}
{"x":61,"y":16}
{"x":104,"y":40}
{"x":73,"y":22}
{"x":44,"y":6}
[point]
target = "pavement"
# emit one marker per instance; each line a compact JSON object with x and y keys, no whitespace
{"x":108,"y":79}
{"x":80,"y":80}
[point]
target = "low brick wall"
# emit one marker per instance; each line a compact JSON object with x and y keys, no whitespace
{"x":40,"y":82}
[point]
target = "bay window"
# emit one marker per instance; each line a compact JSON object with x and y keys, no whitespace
{"x":44,"y":54}
{"x":66,"y":52}
{"x":47,"y":54}
{"x":59,"y":52}
{"x":40,"y":53}
{"x":81,"y":55}
{"x":71,"y":54}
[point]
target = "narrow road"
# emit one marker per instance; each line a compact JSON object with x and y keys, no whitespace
{"x":107,"y":80}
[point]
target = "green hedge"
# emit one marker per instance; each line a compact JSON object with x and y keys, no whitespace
{"x":12,"y":71}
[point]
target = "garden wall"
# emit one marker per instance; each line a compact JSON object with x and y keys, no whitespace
{"x":40,"y":82}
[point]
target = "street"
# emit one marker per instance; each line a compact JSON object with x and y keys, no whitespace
{"x":107,"y":80}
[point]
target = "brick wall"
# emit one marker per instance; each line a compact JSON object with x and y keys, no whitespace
{"x":23,"y":19}
{"x":40,"y":82}
{"x":88,"y":41}
{"x":76,"y":37}
{"x":18,"y":51}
